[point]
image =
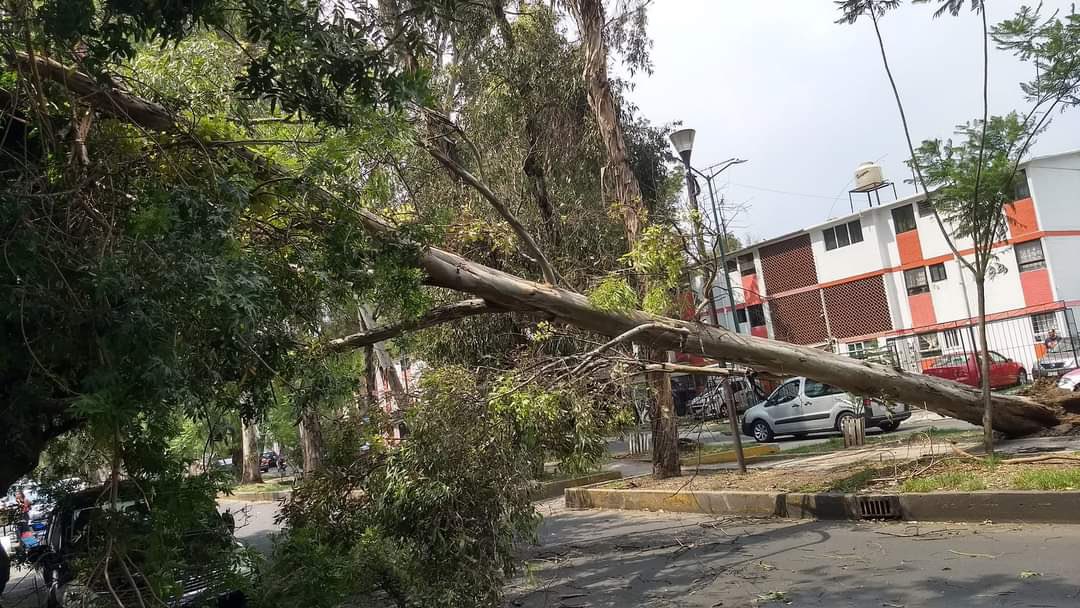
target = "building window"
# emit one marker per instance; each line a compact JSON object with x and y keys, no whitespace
{"x":746,"y":265}
{"x":903,"y":219}
{"x":1042,"y":324}
{"x":1021,"y":189}
{"x":731,"y":266}
{"x":952,"y":338}
{"x":916,"y":281}
{"x":929,"y":346}
{"x":843,"y":235}
{"x":740,"y":315}
{"x":858,"y":350}
{"x":757,"y":315}
{"x":1029,"y":256}
{"x":937,"y":273}
{"x":925,"y":209}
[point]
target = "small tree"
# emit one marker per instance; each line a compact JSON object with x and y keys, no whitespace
{"x":974,"y":178}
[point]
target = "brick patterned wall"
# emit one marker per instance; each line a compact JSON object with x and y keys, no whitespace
{"x":788,"y":265}
{"x":858,"y":308}
{"x":798,"y":318}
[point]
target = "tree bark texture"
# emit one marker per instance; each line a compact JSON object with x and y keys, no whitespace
{"x":250,"y":471}
{"x":626,"y":193}
{"x":311,"y":442}
{"x":984,"y":369}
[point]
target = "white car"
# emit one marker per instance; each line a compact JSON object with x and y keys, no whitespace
{"x":801,"y":406}
{"x":1070,"y":381}
{"x":710,"y":403}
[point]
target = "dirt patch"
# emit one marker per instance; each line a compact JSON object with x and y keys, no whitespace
{"x":764,"y":480}
{"x":1045,"y":391}
{"x":950,"y":473}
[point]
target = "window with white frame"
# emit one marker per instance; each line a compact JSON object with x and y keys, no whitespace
{"x":903,"y":219}
{"x":746,"y":264}
{"x":937,"y":273}
{"x":925,"y":209}
{"x":843,"y":235}
{"x":1029,"y":256}
{"x":929,"y":346}
{"x":1042,"y":324}
{"x":858,"y":349}
{"x":915,"y":279}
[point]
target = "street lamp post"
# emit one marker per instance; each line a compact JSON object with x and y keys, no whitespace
{"x":683,"y":141}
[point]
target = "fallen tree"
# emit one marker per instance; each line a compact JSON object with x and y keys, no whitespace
{"x":500,"y":291}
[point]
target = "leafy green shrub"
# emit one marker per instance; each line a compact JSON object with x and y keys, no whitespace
{"x":430,"y":523}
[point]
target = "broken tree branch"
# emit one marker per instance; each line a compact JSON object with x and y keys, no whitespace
{"x":626,"y":335}
{"x":550,"y":274}
{"x":435,"y":316}
{"x":1012,"y":415}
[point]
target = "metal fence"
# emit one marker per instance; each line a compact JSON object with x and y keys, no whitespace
{"x":1044,"y":343}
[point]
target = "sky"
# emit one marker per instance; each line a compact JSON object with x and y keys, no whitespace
{"x":805,"y":100}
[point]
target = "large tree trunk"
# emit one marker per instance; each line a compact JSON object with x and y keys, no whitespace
{"x":311,"y":442}
{"x":250,"y":472}
{"x":626,"y":192}
{"x":1011,"y":415}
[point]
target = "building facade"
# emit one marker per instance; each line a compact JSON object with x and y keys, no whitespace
{"x":885,"y":278}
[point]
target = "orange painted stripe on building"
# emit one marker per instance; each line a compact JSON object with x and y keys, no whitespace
{"x":998,"y":316}
{"x":750,"y":290}
{"x":1036,"y":286}
{"x":927,"y":261}
{"x":1021,"y":217}
{"x":909,"y":247}
{"x":922,"y":309}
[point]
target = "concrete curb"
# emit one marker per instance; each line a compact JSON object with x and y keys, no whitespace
{"x":1004,"y":506}
{"x":553,"y":489}
{"x":746,"y":504}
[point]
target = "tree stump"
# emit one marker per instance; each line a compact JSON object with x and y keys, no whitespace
{"x":854,"y":430}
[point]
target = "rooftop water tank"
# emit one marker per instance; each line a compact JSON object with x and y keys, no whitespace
{"x":867,"y":175}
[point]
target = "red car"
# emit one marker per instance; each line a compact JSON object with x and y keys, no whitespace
{"x":964,"y":368}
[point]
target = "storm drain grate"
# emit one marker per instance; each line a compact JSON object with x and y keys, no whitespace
{"x":879,"y":507}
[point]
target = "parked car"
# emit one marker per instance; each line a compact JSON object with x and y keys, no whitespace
{"x":268,"y":461}
{"x":801,"y":406}
{"x":71,"y":542}
{"x":1059,"y":360}
{"x":964,"y":368}
{"x":710,"y":403}
{"x":1070,"y":381}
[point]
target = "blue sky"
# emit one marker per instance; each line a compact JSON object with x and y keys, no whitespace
{"x":806,"y":100}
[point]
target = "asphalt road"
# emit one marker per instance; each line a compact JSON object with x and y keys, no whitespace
{"x":598,"y":559}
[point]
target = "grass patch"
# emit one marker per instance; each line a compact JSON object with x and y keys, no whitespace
{"x":853,"y":483}
{"x":268,"y":486}
{"x":1048,"y":479}
{"x":963,"y":481}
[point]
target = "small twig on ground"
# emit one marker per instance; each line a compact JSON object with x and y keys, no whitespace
{"x":983,"y":555}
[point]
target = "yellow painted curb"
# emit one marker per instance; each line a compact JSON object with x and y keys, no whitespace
{"x":729,"y":455}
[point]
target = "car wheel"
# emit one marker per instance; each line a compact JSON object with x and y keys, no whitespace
{"x":762,"y":432}
{"x":840,"y":420}
{"x":1022,"y":377}
{"x":888,"y":427}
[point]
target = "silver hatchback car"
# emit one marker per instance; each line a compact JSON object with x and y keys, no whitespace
{"x":801,"y":406}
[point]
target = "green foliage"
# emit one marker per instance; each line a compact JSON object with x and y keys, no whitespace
{"x":432,"y":523}
{"x":613,"y":293}
{"x":971,"y":195}
{"x":1052,"y":44}
{"x":1048,"y":479}
{"x":561,"y":424}
{"x":955,"y":481}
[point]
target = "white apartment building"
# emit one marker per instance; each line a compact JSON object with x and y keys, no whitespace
{"x":885,"y":276}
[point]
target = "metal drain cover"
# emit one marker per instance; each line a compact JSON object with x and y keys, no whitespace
{"x":879,"y":507}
